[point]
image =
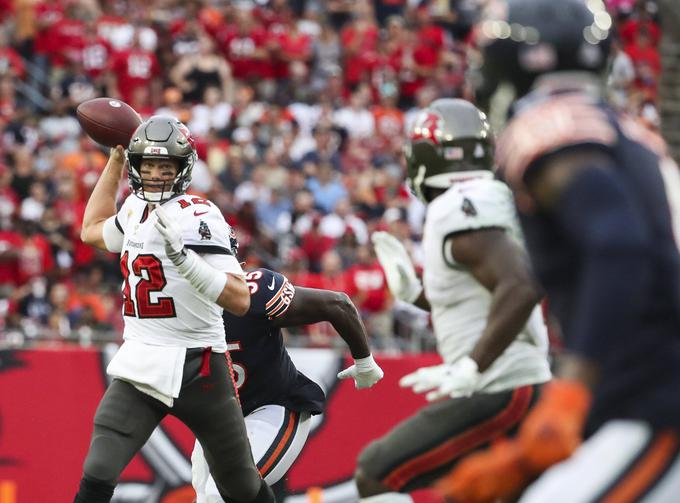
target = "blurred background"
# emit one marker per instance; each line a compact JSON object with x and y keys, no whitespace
{"x":300,"y":110}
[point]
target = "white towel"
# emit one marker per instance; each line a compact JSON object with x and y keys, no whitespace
{"x":154,"y":370}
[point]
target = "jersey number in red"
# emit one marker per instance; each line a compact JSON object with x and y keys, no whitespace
{"x":152,"y":279}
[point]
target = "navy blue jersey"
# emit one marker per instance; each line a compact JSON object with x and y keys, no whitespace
{"x":263,"y":369}
{"x":640,"y":364}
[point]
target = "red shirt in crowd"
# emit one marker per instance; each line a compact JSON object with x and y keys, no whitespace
{"x":291,"y":47}
{"x":35,"y":258}
{"x":11,"y":61}
{"x":69,"y":35}
{"x":361,"y":57}
{"x":6,"y":9}
{"x":134,"y":68}
{"x":314,"y":245}
{"x":368,"y":287}
{"x":425,"y":54}
{"x":95,"y":56}
{"x":641,"y":55}
{"x":47,"y":14}
{"x":240,"y":47}
{"x":630,"y":29}
{"x":10,"y":242}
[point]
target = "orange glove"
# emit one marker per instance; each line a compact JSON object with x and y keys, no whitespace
{"x":554,"y":428}
{"x":486,"y":476}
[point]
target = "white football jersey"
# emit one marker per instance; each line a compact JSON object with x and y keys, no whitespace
{"x":459,"y":304}
{"x":160,"y":307}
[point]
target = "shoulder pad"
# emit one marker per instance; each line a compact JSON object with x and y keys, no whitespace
{"x":560,"y":122}
{"x":204,"y":229}
{"x":476,"y":204}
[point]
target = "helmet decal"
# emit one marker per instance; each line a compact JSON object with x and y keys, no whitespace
{"x":187,"y":134}
{"x":450,"y":141}
{"x":428,"y":126}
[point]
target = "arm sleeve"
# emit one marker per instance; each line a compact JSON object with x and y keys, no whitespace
{"x":561,"y":123}
{"x":113,"y":234}
{"x":601,"y":219}
{"x":270,"y":293}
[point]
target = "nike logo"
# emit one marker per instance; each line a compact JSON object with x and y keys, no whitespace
{"x":271,"y":287}
{"x":198,"y":214}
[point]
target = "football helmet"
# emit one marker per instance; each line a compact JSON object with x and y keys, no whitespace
{"x":522,"y":39}
{"x":451,"y":140}
{"x":161,"y":137}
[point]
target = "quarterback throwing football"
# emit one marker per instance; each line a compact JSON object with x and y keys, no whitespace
{"x":178,"y":274}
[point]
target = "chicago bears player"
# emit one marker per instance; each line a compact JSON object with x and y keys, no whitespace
{"x":478,"y":287}
{"x":277,"y":399}
{"x":178,"y":275}
{"x":598,"y":226}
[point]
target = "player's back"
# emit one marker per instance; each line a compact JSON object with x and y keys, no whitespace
{"x":264,"y":371}
{"x":459,"y":303}
{"x":643,"y":369}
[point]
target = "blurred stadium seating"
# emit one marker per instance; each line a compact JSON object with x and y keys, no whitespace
{"x":300,"y":109}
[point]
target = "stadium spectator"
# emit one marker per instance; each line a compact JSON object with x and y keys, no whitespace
{"x":134,"y":68}
{"x":309,"y":124}
{"x":200,"y":70}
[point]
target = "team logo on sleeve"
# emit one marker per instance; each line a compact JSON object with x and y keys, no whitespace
{"x":204,"y":230}
{"x":468,"y":208}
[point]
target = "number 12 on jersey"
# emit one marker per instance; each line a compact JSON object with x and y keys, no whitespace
{"x":149,"y":269}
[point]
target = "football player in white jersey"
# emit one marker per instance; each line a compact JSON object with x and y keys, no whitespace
{"x":178,"y":275}
{"x":483,"y":300}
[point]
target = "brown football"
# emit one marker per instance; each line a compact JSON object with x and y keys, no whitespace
{"x":108,"y":121}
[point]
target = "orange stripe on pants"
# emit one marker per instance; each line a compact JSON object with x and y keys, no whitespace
{"x":463,"y":443}
{"x":646,"y":471}
{"x":281,"y":446}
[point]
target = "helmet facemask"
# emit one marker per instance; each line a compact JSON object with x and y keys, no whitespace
{"x":161,"y":138}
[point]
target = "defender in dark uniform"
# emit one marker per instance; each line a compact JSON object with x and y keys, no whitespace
{"x":276,"y":398}
{"x":598,"y":227}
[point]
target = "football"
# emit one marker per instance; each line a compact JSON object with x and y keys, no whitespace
{"x":108,"y":121}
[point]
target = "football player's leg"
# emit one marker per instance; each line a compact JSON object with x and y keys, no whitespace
{"x":424,"y":447}
{"x":276,"y":436}
{"x":201,"y":480}
{"x":645,"y":468}
{"x":124,"y":420}
{"x":209,"y":406}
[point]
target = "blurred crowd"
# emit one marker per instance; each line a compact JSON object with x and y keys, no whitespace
{"x":300,"y":109}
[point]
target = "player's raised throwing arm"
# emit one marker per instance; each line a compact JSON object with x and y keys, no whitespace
{"x":102,"y":205}
{"x":313,"y":306}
